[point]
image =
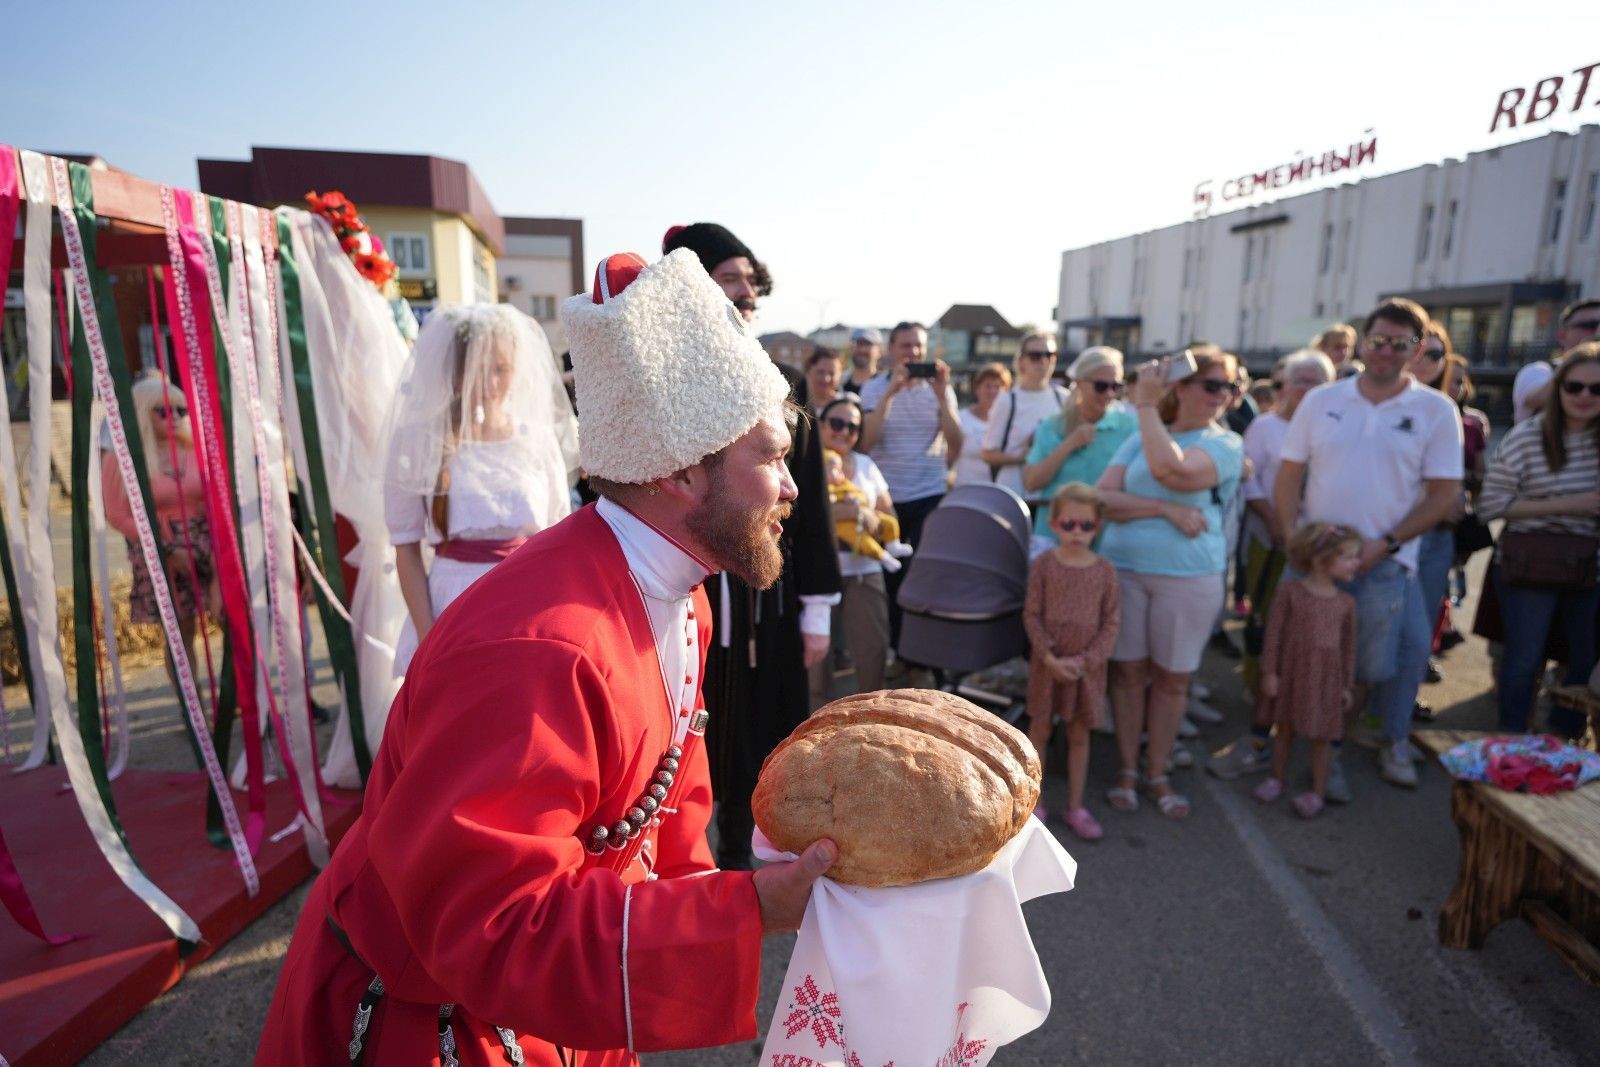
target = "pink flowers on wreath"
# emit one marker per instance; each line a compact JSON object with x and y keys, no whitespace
{"x":363,"y":246}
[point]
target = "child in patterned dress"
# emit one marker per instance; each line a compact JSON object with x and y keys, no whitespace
{"x":1308,"y":656}
{"x":1072,"y":613}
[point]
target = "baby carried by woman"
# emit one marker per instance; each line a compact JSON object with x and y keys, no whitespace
{"x":886,"y":547}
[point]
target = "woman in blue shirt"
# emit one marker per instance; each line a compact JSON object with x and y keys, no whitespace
{"x":1077,"y":444}
{"x":1165,"y":491}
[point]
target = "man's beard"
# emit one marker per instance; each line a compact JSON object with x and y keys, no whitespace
{"x":747,"y":307}
{"x":737,"y":538}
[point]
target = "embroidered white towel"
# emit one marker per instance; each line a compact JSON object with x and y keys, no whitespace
{"x":940,"y":973}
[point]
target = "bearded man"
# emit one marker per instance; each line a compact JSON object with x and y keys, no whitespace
{"x":529,"y":879}
{"x":764,"y":638}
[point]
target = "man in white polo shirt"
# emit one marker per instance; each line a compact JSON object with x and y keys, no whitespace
{"x":1381,"y":453}
{"x":910,"y":428}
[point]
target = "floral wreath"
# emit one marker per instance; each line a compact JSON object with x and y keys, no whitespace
{"x":364,"y":247}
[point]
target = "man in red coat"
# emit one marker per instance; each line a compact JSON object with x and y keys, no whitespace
{"x":529,"y":880}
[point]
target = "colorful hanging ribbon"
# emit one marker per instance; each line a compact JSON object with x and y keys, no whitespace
{"x":75,"y":197}
{"x":317,"y":522}
{"x":188,"y":304}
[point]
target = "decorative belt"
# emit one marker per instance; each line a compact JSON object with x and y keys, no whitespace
{"x":447,"y":1037}
{"x":465,"y":551}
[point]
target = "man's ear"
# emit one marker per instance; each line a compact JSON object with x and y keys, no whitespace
{"x":687,"y":485}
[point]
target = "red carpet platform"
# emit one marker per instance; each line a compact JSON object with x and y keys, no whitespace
{"x":58,"y":1004}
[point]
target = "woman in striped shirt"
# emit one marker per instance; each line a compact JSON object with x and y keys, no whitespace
{"x":1546,"y":478}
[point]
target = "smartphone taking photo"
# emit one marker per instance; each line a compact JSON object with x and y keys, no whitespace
{"x":921,"y":370}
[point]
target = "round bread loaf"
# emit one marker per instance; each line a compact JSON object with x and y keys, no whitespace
{"x":911,"y":784}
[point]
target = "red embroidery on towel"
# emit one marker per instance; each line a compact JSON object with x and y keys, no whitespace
{"x":816,"y":1011}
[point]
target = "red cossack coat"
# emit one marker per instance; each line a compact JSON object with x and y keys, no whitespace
{"x":534,"y":711}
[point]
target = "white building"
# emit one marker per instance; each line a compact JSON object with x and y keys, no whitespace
{"x":542,"y":266}
{"x":1493,"y":245}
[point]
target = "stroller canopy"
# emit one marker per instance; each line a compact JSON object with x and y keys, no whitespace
{"x":972,"y":564}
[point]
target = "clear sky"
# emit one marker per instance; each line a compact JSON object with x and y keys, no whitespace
{"x":885,"y":159}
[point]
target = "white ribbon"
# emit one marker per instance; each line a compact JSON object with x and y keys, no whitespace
{"x":44,"y":626}
{"x":266,"y":422}
{"x":77,"y":762}
{"x":108,"y":628}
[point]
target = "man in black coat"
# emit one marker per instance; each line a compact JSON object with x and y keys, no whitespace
{"x":763,"y":642}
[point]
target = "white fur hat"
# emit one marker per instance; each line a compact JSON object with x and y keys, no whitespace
{"x":666,"y":370}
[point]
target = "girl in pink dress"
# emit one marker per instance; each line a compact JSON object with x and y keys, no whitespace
{"x":1072,"y":613}
{"x":1308,"y":657}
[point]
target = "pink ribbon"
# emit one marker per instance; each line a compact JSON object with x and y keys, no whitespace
{"x":187,"y":305}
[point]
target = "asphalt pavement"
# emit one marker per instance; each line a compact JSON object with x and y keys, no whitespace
{"x":1242,"y":935}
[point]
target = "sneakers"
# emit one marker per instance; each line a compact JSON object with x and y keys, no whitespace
{"x":1187,"y":729}
{"x":1200,"y":690}
{"x":1394,"y":764}
{"x":1412,"y":752}
{"x":1338,"y":791}
{"x":889,"y":564}
{"x":1243,"y":756}
{"x":898,"y":549}
{"x":1269,"y":791}
{"x":1080,"y":822}
{"x":1201,"y":712}
{"x":1308,"y":805}
{"x":1182,"y":759}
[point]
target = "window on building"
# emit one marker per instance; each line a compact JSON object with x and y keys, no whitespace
{"x":1183,"y":328}
{"x":1325,"y":257}
{"x":409,"y":252}
{"x":1188,"y":268}
{"x":1344,"y":247}
{"x":1317,"y":311}
{"x":1249,"y":256}
{"x":1524,"y":324}
{"x":1449,"y":229}
{"x":1558,"y":205}
{"x":1425,"y":233}
{"x":1587,"y":226}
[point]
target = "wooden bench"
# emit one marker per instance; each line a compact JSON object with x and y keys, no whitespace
{"x":1533,"y":856}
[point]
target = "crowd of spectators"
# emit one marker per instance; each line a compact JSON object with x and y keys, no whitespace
{"x":1357,"y":468}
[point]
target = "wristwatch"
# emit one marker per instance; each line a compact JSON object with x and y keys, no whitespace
{"x":1394,"y":546}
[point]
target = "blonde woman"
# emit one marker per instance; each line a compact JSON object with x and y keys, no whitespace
{"x":1077,"y":443}
{"x":178,"y":498}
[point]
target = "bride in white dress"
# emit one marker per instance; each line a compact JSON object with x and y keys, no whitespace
{"x":482,"y":444}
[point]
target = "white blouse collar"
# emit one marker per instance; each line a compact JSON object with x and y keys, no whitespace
{"x":665,"y":569}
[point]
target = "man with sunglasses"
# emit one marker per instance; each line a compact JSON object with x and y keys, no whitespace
{"x":1382,"y":453}
{"x":1530,"y":390}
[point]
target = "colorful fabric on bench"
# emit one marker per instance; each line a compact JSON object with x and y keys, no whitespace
{"x":1523,"y":763}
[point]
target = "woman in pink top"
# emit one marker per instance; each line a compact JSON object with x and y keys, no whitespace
{"x":181,"y":532}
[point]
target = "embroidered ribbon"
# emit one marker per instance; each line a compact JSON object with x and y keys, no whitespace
{"x":11,"y":502}
{"x":194,"y":353}
{"x":76,"y":200}
{"x":317,"y":520}
{"x":254,"y":328}
{"x":89,"y":787}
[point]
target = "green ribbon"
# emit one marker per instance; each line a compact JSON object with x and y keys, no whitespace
{"x":321,"y":537}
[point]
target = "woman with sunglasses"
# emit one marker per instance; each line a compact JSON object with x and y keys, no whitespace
{"x":1165,"y":491}
{"x":1018,"y":412}
{"x":182,"y":534}
{"x":1545,"y":480}
{"x":863,"y":612}
{"x":1077,"y":443}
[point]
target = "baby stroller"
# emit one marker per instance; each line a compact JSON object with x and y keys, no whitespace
{"x":961,"y":600}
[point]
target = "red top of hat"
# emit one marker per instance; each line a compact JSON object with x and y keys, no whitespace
{"x":614,"y":274}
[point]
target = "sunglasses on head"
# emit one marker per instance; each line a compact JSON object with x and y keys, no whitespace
{"x":1377,"y":342}
{"x":839,"y":425}
{"x":1069,"y":525}
{"x":1038,"y":353}
{"x":1212,"y":386}
{"x":1106,"y":387}
{"x":166,"y":411}
{"x":1572,"y":388}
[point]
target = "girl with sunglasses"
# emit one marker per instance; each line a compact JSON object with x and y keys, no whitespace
{"x":1545,"y":482}
{"x":1072,"y":613}
{"x":181,"y":531}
